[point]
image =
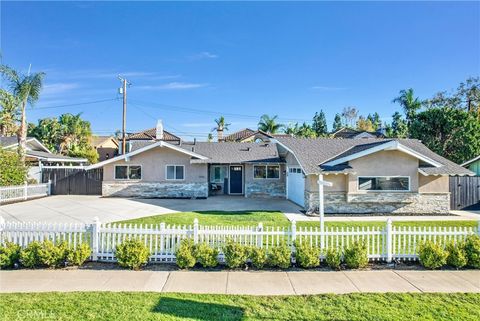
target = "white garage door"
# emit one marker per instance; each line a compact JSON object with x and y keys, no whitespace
{"x":296,"y":185}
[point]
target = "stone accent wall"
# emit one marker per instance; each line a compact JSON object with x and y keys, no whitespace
{"x":155,"y":190}
{"x":265,"y":188}
{"x":419,"y":203}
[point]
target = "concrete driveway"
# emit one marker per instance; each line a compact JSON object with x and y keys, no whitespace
{"x":83,"y":209}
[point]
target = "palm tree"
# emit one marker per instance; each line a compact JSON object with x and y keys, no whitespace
{"x":221,"y":126}
{"x":409,"y":103}
{"x":27,"y":90}
{"x":269,"y":124}
{"x":9,"y":113}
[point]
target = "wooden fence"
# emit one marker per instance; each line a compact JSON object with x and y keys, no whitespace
{"x":465,"y":192}
{"x":23,"y":192}
{"x":383,"y":243}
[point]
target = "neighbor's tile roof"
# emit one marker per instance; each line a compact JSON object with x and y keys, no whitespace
{"x":311,"y":153}
{"x":150,"y":134}
{"x":97,"y":140}
{"x":240,"y":135}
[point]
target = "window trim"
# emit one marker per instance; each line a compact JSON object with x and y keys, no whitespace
{"x":128,"y":166}
{"x":385,"y":190}
{"x":266,"y":172}
{"x":175,"y":171}
{"x":212,"y":169}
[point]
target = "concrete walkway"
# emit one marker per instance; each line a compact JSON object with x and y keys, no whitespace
{"x":240,"y":282}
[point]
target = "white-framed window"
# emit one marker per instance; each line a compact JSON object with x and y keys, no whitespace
{"x":174,"y":172}
{"x":218,"y":174}
{"x":295,"y":170}
{"x":384,"y":183}
{"x":266,"y":171}
{"x":127,"y":172}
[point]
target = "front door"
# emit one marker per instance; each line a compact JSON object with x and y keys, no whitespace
{"x":236,"y":179}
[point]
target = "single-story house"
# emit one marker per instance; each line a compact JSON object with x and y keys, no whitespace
{"x":367,"y":175}
{"x":106,"y":147}
{"x":38,"y":156}
{"x":473,"y":165}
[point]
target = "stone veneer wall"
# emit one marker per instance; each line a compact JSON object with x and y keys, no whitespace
{"x":421,"y":203}
{"x":155,"y":190}
{"x":264,"y":188}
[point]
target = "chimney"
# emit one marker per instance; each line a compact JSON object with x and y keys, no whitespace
{"x":159,"y":130}
{"x":220,"y":134}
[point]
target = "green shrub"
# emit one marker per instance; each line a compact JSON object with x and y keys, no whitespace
{"x":280,"y":256}
{"x":206,"y":255}
{"x":29,"y":256}
{"x":457,"y":257}
{"x":472,"y":248}
{"x":258,"y":256}
{"x":52,"y":255}
{"x":79,"y":255}
{"x":307,"y":256}
{"x":334,"y":258}
{"x":235,"y":254}
{"x":9,"y":255}
{"x":132,"y":254}
{"x":432,"y":256}
{"x":355,"y":255}
{"x":185,"y":254}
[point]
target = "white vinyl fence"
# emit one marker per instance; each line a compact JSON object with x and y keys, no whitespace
{"x":383,"y":243}
{"x":23,"y":192}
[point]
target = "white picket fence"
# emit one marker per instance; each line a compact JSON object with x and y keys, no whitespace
{"x":23,"y":192}
{"x":383,"y":243}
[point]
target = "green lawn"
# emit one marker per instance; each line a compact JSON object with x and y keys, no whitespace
{"x":155,"y":306}
{"x":251,"y":218}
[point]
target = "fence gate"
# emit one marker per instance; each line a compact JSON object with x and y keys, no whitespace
{"x":465,"y":193}
{"x":74,"y":181}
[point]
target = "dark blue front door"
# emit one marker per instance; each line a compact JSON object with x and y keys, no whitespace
{"x":236,"y":179}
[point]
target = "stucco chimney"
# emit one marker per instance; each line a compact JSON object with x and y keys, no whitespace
{"x":159,"y":131}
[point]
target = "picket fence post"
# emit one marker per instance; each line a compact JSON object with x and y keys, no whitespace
{"x":49,"y":189}
{"x":294,"y":233}
{"x":195,"y":231}
{"x":25,"y":191}
{"x":389,"y":240}
{"x":95,"y":233}
{"x":478,"y":227}
{"x":260,"y":235}
{"x":2,"y":224}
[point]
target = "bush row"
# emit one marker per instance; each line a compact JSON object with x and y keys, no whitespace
{"x":457,"y":255}
{"x":43,"y":254}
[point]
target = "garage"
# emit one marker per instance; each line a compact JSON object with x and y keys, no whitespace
{"x":296,"y":185}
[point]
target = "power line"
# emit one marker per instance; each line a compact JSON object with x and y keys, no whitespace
{"x":78,"y":104}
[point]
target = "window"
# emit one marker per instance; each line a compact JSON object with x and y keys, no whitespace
{"x":175,"y":172}
{"x":128,"y":172}
{"x":266,"y":171}
{"x":384,"y":183}
{"x":218,"y":174}
{"x":295,"y":170}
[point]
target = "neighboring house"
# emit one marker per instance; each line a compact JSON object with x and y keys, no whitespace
{"x":248,"y":135}
{"x":473,"y":165}
{"x":106,"y":147}
{"x":37,"y":156}
{"x":368,"y":175}
{"x":350,"y":133}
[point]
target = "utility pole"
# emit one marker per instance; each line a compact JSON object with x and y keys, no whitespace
{"x":124,"y":123}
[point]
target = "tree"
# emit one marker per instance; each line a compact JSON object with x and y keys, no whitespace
{"x":12,"y":169}
{"x":409,"y":103}
{"x":305,"y":131}
{"x":9,"y":113}
{"x":365,"y":124}
{"x":375,"y":120}
{"x":210,"y":137}
{"x":451,"y":132}
{"x":320,"y":124}
{"x":48,"y":131}
{"x":291,"y":129}
{"x":337,"y":122}
{"x":398,"y":127}
{"x":269,"y":124}
{"x":350,"y":115}
{"x":27,"y":89}
{"x":221,"y":126}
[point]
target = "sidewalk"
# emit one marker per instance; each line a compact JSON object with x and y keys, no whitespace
{"x":240,"y":282}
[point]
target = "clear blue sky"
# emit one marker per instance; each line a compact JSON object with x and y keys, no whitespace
{"x":237,"y":59}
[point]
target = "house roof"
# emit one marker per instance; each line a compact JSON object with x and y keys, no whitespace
{"x":99,"y":140}
{"x":347,"y":133}
{"x":313,"y":153}
{"x":150,"y":134}
{"x":240,"y":135}
{"x":32,"y":143}
{"x":473,"y":160}
{"x":49,"y":157}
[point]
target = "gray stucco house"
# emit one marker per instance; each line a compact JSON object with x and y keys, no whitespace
{"x":371,"y":175}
